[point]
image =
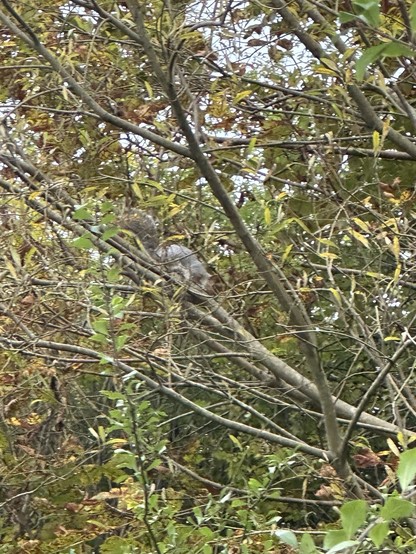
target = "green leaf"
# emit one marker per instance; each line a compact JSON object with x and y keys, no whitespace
{"x":237,"y":503}
{"x":116,"y":545}
{"x":346,"y":17}
{"x":82,"y":23}
{"x":113,"y":395}
{"x":107,"y":207}
{"x":307,"y":546}
{"x":286,"y":536}
{"x":369,"y":11}
{"x":82,"y":213}
{"x":254,"y":484}
{"x":110,"y":233}
{"x":378,"y":533}
{"x":121,"y":341}
{"x":113,"y":274}
{"x":97,"y":523}
{"x":407,"y":468}
{"x":206,"y":532}
{"x":198,"y":514}
{"x":287,"y":222}
{"x":412,"y":14}
{"x":342,"y":546}
{"x":108,"y":218}
{"x":394,"y":50}
{"x":396,"y":508}
{"x":126,"y":459}
{"x":100,"y":326}
{"x":154,"y":463}
{"x":83,"y":243}
{"x":386,"y":49}
{"x":368,"y":56}
{"x":332,"y":538}
{"x":98,"y":337}
{"x":353,"y":516}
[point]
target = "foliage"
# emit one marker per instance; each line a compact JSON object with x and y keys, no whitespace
{"x":275,"y":411}
{"x":354,"y":514}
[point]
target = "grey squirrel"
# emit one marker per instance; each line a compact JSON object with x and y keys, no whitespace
{"x":175,"y":257}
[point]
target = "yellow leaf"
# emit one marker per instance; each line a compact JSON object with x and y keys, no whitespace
{"x":324,"y":71}
{"x":397,"y":272}
{"x":149,"y":89}
{"x":64,"y":91}
{"x":353,"y":284}
{"x":29,"y":255}
{"x":286,"y":253}
{"x":267,"y":216}
{"x":15,"y":256}
{"x":386,"y":127}
{"x":329,"y":64}
{"x":376,"y":141}
{"x":300,"y":223}
{"x":393,"y":447}
{"x":14,"y":421}
{"x":251,"y":145}
{"x":395,"y":247}
{"x":236,"y":441}
{"x":136,"y":189}
{"x":35,"y":194}
{"x":154,"y":184}
{"x":33,"y":419}
{"x":93,"y":433}
{"x":336,"y":295}
{"x":328,"y":256}
{"x":97,"y":523}
{"x":389,"y":339}
{"x":280,"y":196}
{"x":330,"y":137}
{"x":358,"y":236}
{"x":338,"y":112}
{"x":404,"y":440}
{"x":391,"y":223}
{"x":117,"y":442}
{"x":242,"y":95}
{"x":11,"y":268}
{"x":362,"y":224}
{"x":328,"y":242}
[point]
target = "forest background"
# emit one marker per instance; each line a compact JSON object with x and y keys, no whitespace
{"x":275,"y":412}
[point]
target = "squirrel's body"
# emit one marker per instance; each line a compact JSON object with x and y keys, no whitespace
{"x":175,"y":257}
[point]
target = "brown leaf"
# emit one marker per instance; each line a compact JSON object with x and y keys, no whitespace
{"x":325,"y":493}
{"x":257,"y":42}
{"x":367,"y":458}
{"x":73,"y":507}
{"x":327,"y":471}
